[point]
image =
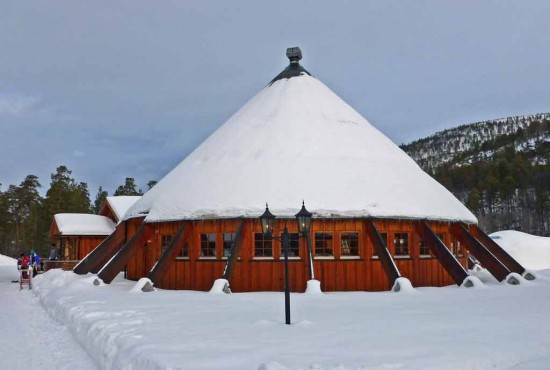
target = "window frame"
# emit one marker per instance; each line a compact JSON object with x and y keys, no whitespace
{"x":423,"y":245}
{"x":293,"y":238}
{"x":395,"y":249}
{"x":358,"y":246}
{"x":266,"y":244}
{"x":208,"y":246}
{"x":315,"y":240}
{"x":224,"y":241}
{"x":183,"y":254}
{"x":165,"y":240}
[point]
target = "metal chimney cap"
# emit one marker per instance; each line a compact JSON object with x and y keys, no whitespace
{"x":294,"y":54}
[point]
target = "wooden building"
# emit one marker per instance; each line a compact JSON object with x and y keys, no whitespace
{"x":77,"y":234}
{"x":376,"y":215}
{"x":115,"y":207}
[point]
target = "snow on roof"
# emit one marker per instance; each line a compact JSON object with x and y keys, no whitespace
{"x":297,"y":140}
{"x":83,"y":224}
{"x":120,"y":204}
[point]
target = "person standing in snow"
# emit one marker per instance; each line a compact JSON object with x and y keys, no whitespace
{"x":35,"y":262}
{"x":23,"y":264}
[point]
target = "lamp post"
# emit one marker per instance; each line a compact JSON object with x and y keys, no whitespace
{"x":303,"y":218}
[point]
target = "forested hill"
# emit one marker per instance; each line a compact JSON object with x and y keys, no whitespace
{"x":499,"y":168}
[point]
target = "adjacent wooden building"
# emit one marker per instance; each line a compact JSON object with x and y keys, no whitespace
{"x":376,"y":215}
{"x":77,"y":234}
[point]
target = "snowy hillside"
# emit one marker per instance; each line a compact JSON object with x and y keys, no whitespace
{"x":465,"y":143}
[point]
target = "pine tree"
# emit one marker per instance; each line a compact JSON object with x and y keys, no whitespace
{"x":152,"y":183}
{"x":129,"y":188}
{"x":99,"y":199}
{"x":65,"y":195}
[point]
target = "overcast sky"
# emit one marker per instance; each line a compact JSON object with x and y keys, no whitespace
{"x":130,"y":88}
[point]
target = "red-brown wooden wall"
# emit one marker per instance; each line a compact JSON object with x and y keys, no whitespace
{"x":267,"y":274}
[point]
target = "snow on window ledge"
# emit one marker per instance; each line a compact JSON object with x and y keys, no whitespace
{"x":350,"y":257}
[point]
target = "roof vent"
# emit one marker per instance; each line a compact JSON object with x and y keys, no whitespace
{"x":294,"y":69}
{"x":294,"y":54}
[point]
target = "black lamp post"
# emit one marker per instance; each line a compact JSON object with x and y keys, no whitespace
{"x":303,"y":218}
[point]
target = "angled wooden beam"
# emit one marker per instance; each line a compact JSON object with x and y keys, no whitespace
{"x":487,"y":259}
{"x":234,"y":255}
{"x":120,"y":260}
{"x":497,"y":251}
{"x":384,"y":255}
{"x":95,"y":260}
{"x":442,"y":253}
{"x":168,"y":256}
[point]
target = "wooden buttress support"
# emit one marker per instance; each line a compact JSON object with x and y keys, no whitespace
{"x":234,"y":255}
{"x":383,"y":253}
{"x":497,"y":251}
{"x":95,"y":260}
{"x":487,"y":259}
{"x":442,"y":253}
{"x":168,"y":256}
{"x":120,"y":260}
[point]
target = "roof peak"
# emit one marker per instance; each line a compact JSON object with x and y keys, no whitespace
{"x":294,"y":69}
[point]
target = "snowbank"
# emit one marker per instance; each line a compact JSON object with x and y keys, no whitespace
{"x":313,"y":287}
{"x":8,"y":269}
{"x":344,"y":331}
{"x":533,"y":252}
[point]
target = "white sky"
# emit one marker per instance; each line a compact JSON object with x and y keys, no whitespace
{"x":130,"y":88}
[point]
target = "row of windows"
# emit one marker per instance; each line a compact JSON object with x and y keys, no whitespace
{"x":323,"y":245}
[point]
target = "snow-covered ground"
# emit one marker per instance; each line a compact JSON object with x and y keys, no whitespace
{"x":29,"y":337}
{"x":495,"y":326}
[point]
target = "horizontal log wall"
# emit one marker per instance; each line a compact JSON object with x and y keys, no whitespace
{"x":336,"y":273}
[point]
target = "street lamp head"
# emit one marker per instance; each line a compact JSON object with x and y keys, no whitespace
{"x":303,"y":218}
{"x":268,"y":221}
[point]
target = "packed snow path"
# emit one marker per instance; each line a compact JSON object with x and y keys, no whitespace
{"x":31,"y":339}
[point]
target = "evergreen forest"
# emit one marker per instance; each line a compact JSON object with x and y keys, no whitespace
{"x":499,"y":168}
{"x":26,"y":215}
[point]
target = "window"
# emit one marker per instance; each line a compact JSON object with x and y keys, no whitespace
{"x":323,"y":244}
{"x":228,"y":241}
{"x":293,"y":247}
{"x":165,"y":241}
{"x":350,"y":244}
{"x":401,"y":244}
{"x":208,"y":245}
{"x":423,"y":248}
{"x":184,"y":251}
{"x":457,"y":247}
{"x":262,"y":245}
{"x":384,"y":237}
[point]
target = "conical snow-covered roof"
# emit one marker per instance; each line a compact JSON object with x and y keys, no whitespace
{"x":297,"y":140}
